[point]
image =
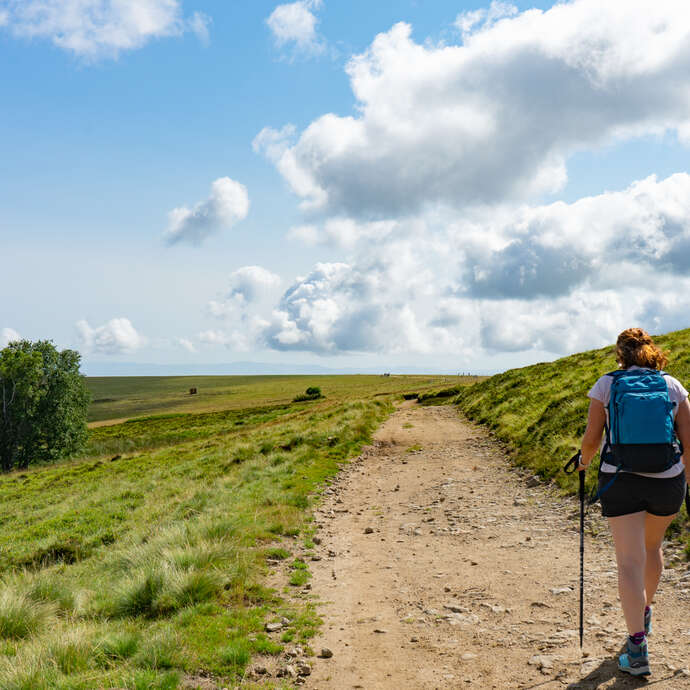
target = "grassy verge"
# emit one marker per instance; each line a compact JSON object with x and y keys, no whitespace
{"x":144,"y":563}
{"x":540,"y":411}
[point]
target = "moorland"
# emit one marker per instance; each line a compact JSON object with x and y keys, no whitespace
{"x":143,"y":561}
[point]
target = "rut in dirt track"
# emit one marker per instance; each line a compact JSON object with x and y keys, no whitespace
{"x":443,"y":567}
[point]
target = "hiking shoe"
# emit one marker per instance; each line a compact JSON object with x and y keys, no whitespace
{"x":648,"y":621}
{"x":635,"y":660}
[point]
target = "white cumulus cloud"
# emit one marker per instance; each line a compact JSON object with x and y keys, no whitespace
{"x":295,"y":23}
{"x":7,"y":336}
{"x":227,"y":204}
{"x":495,"y":118}
{"x":248,"y":286}
{"x":117,"y":336}
{"x":95,"y":29}
{"x":340,"y":307}
{"x":552,"y":278}
{"x":186,"y":344}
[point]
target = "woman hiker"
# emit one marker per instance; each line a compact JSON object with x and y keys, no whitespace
{"x":639,"y":505}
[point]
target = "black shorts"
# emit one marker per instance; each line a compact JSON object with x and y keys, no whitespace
{"x":631,"y":493}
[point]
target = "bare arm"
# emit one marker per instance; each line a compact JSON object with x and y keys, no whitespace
{"x":596,"y":419}
{"x":683,"y":431}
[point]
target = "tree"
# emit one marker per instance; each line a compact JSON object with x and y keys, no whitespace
{"x":43,"y":404}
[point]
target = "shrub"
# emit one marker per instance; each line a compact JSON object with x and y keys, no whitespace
{"x":312,"y":393}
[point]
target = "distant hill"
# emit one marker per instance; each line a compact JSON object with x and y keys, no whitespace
{"x":240,"y":369}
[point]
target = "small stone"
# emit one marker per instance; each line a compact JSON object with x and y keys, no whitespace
{"x":468,"y":656}
{"x":368,"y":530}
{"x":520,"y":502}
{"x":316,"y":540}
{"x":287,"y":672}
{"x":303,"y":669}
{"x":561,"y":590}
{"x":380,"y":630}
{"x":493,"y":608}
{"x":260,"y":670}
{"x":325,"y":653}
{"x":331,"y":553}
{"x":455,"y":608}
{"x":414,"y":639}
{"x":273,"y":627}
{"x":541,"y":662}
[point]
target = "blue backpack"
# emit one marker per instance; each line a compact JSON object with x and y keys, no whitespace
{"x":640,"y":434}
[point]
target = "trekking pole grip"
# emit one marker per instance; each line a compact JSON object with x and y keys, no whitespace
{"x":572,"y":464}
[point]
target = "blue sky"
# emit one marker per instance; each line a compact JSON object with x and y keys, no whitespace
{"x":480,"y":197}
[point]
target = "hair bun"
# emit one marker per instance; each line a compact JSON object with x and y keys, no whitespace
{"x":635,"y":346}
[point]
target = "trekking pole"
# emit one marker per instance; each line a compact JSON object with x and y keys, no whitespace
{"x":570,"y":467}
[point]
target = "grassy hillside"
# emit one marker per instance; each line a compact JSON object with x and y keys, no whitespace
{"x":134,"y":396}
{"x":540,"y":411}
{"x":145,"y":561}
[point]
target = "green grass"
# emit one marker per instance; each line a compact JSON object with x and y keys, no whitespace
{"x":136,"y":396}
{"x":145,"y":561}
{"x":540,"y":411}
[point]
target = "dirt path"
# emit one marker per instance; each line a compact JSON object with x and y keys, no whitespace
{"x":441,"y":567}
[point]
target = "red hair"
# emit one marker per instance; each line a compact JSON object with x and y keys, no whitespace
{"x":636,"y":347}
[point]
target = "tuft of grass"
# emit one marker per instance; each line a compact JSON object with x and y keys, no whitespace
{"x":116,"y":648}
{"x":144,"y":595}
{"x":159,"y":653}
{"x":277,"y":553}
{"x":198,"y":587}
{"x":72,"y":653}
{"x":236,"y":654}
{"x":262,"y":644}
{"x":52,"y":591}
{"x":20,"y":617}
{"x":300,"y":573}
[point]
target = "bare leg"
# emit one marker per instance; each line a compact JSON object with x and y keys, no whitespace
{"x":654,"y":530}
{"x":629,"y":538}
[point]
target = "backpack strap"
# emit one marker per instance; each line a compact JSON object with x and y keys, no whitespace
{"x":606,"y":486}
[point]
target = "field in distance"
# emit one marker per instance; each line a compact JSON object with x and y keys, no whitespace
{"x":119,"y":398}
